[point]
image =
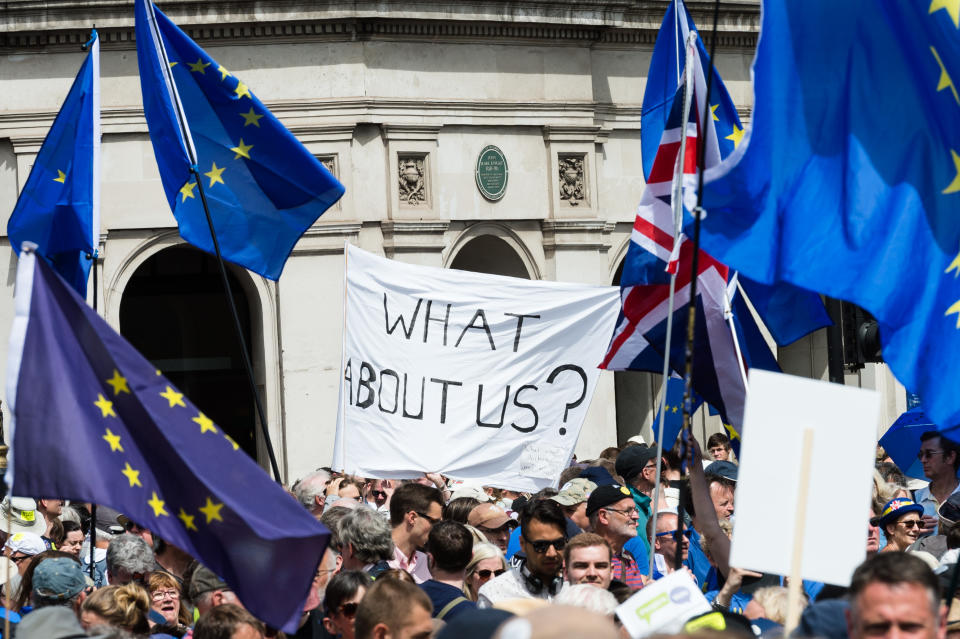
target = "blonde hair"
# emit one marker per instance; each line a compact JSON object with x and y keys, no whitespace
{"x":125,"y":607}
{"x":481,"y":550}
{"x":773,"y":600}
{"x":883,"y":492}
{"x":161,"y":580}
{"x":727,"y":529}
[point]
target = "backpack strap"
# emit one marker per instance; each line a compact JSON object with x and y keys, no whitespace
{"x":450,"y":606}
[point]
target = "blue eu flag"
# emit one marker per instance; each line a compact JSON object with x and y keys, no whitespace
{"x":673,"y":412}
{"x":263,"y":188}
{"x":788,"y":311}
{"x":849,"y":181}
{"x":129,"y":440}
{"x":59,"y":208}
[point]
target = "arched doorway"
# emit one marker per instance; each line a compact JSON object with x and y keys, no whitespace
{"x":490,"y":254}
{"x":636,"y":395}
{"x":173,"y":310}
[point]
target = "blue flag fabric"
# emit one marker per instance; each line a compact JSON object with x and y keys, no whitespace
{"x":902,"y":441}
{"x":138,"y":445}
{"x":841,"y":190}
{"x":263,"y":187}
{"x":58,"y":209}
{"x":673,"y":412}
{"x":788,"y":312}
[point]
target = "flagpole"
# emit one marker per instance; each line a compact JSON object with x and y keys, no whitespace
{"x":192,"y":155}
{"x":694,"y":269}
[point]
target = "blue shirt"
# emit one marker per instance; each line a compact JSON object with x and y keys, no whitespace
{"x":442,"y":594}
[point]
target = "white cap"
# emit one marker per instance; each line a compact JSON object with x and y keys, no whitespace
{"x":471,"y":490}
{"x":637,"y":439}
{"x":26,"y":543}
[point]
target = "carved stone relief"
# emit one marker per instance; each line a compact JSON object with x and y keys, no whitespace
{"x":330,"y":163}
{"x":412,"y":180}
{"x":572,"y":188}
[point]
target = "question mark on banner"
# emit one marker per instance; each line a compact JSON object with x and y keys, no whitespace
{"x":583,"y":392}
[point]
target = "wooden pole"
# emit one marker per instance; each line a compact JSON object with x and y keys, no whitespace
{"x":795,"y":587}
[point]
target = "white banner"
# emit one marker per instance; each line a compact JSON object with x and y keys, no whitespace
{"x":476,"y":376}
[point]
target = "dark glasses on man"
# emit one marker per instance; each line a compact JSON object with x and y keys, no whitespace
{"x":348,"y":609}
{"x":542,"y":545}
{"x":673,"y":533}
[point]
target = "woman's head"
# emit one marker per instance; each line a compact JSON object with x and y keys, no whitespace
{"x":341,"y":600}
{"x":901,"y":521}
{"x":165,"y":598}
{"x":72,"y":538}
{"x":125,"y":607}
{"x":486,"y":563}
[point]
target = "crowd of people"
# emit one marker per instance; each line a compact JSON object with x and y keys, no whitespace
{"x":431,"y":557}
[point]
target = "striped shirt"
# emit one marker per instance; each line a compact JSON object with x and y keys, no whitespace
{"x":625,"y":569}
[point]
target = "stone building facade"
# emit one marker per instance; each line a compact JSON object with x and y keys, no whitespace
{"x":398,"y":99}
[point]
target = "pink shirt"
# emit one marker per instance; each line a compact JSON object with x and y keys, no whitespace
{"x":416,"y":566}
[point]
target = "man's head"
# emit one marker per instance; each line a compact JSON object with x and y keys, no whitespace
{"x":613,"y":514}
{"x":208,"y":591}
{"x":364,"y":538}
{"x":894,"y":595}
{"x":873,"y":534}
{"x":228,"y":621}
{"x":50,"y":507}
{"x":58,"y":581}
{"x":573,"y":497}
{"x":940,"y":456}
{"x":542,"y":538}
{"x":637,"y":465}
{"x":21,"y":547}
{"x":494,"y":523}
{"x":722,"y":490}
{"x":450,"y":545}
{"x":129,"y":558}
{"x":394,"y":609}
{"x":587,"y":560}
{"x":414,"y":509}
{"x":668,"y":536}
{"x":719,"y":447}
{"x":311,"y":491}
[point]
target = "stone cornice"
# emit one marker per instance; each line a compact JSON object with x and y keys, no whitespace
{"x":64,"y":24}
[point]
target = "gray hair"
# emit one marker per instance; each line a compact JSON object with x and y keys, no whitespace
{"x":588,"y":596}
{"x":307,"y":489}
{"x":368,"y":533}
{"x":129,"y":555}
{"x":332,"y":518}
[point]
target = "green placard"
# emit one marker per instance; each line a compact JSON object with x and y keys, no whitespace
{"x":492,"y":173}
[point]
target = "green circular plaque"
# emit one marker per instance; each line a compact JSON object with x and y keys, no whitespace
{"x":492,"y":173}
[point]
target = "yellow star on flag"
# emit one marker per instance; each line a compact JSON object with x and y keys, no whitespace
{"x":105,"y":406}
{"x":241,"y":90}
{"x":952,"y":7}
{"x":172,"y":396}
{"x":212,"y":511}
{"x":675,"y":408}
{"x":215,"y":175}
{"x":132,"y":475}
{"x":731,"y":433}
{"x":119,"y":383}
{"x":736,"y":136}
{"x":954,"y":186}
{"x":945,"y":81}
{"x":187,"y":190}
{"x":187,"y":520}
{"x":61,"y":177}
{"x":235,"y":445}
{"x":242,"y":150}
{"x":713,"y":112}
{"x":199,"y":66}
{"x":173,"y":64}
{"x":250,"y":117}
{"x":158,"y":506}
{"x":206,"y":424}
{"x":955,"y":264}
{"x":114,"y":441}
{"x":223,"y":72}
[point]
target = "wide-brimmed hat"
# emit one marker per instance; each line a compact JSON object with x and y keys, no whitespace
{"x":24,"y":516}
{"x":896,"y":508}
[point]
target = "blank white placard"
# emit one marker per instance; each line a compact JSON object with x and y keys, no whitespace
{"x":844,"y":421}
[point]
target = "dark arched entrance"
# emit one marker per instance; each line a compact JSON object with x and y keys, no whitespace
{"x":173,"y":310}
{"x":636,"y":394}
{"x":490,"y":254}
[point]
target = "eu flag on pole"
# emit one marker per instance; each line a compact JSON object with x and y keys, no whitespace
{"x":673,"y":412}
{"x":59,"y":208}
{"x":263,"y":187}
{"x":848,"y":182}
{"x":138,"y":445}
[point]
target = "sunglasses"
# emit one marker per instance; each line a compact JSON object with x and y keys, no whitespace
{"x":486,"y":574}
{"x":541,"y":546}
{"x":910,"y":523}
{"x":378,"y":493}
{"x":927,"y":454}
{"x":673,"y":533}
{"x":348,"y":609}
